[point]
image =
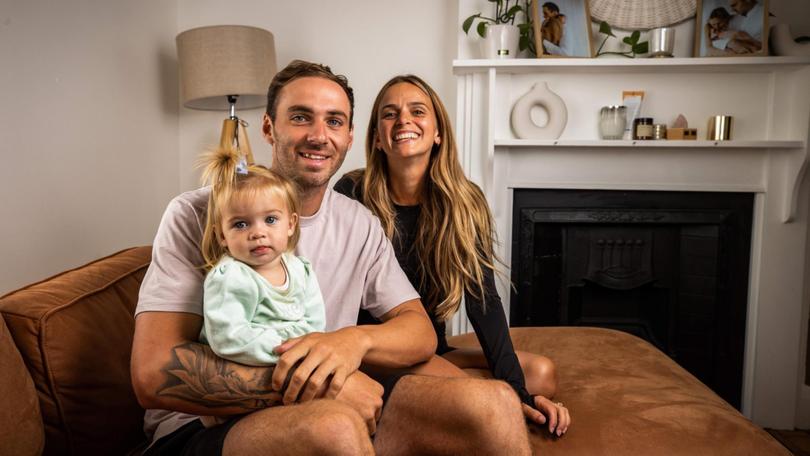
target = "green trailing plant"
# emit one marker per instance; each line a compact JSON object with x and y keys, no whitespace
{"x":505,"y":13}
{"x":636,"y":47}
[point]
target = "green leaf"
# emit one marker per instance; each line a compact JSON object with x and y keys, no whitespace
{"x":635,"y":37}
{"x":524,"y":42}
{"x":514,"y":10}
{"x":524,"y":27}
{"x":628,"y":40}
{"x":604,"y":27}
{"x":468,"y":23}
{"x":482,"y":29}
{"x":641,"y":48}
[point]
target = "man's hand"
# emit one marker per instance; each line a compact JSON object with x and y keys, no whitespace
{"x":546,"y":411}
{"x":365,"y":396}
{"x":325,"y":357}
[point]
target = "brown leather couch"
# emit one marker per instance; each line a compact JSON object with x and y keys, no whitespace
{"x":68,"y":339}
{"x":64,"y":378}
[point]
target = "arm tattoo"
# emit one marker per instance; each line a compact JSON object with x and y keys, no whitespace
{"x":197,"y":375}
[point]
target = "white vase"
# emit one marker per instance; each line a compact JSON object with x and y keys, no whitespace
{"x":502,"y":42}
{"x":540,"y":95}
{"x":782,"y":42}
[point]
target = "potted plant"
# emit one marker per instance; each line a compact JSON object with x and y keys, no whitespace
{"x":502,"y":38}
{"x":636,"y":46}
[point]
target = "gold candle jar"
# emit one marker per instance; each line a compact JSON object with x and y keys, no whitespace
{"x":659,"y":131}
{"x":719,"y":128}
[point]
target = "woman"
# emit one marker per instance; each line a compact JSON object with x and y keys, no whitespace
{"x":442,"y":231}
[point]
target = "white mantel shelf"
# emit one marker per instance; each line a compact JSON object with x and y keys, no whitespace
{"x":642,"y":65}
{"x":734,"y":144}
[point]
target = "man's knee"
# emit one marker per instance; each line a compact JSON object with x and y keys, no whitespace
{"x":321,"y":427}
{"x":495,"y":417}
{"x":504,"y":397}
{"x":486,"y":400}
{"x":465,"y":415}
{"x":336,"y":429}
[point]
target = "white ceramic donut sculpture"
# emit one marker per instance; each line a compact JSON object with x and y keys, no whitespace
{"x":521,"y":118}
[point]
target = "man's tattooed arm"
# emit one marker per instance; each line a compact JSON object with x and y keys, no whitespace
{"x":197,"y":375}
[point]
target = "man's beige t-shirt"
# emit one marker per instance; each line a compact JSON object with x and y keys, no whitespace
{"x":353,"y":260}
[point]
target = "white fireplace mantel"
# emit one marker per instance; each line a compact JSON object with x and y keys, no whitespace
{"x":769,"y":99}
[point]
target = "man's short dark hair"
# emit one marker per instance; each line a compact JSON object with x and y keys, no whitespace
{"x":551,"y":7}
{"x":302,"y":69}
{"x":719,"y":13}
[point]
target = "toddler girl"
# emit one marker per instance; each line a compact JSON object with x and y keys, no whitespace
{"x":257,"y":294}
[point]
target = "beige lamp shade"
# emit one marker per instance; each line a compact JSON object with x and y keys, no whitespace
{"x":224,"y":60}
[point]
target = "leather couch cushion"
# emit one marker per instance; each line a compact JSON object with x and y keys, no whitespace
{"x":626,"y":397}
{"x":74,"y":332}
{"x":21,"y":430}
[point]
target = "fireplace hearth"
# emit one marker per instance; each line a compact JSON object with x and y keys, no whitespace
{"x":669,"y":267}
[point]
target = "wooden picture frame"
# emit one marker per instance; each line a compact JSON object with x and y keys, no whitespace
{"x":567,"y":28}
{"x":731,"y":28}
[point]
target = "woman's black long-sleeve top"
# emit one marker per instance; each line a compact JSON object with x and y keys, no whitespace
{"x":488,"y":319}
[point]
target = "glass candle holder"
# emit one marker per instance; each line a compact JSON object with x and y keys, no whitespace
{"x":612,"y":120}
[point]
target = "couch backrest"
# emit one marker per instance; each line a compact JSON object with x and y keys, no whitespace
{"x":74,"y":332}
{"x":21,"y":432}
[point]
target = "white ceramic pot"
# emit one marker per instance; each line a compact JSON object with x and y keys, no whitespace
{"x":540,"y":95}
{"x":782,"y":42}
{"x":502,"y":42}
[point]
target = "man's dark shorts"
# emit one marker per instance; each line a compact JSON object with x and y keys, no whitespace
{"x":195,"y":439}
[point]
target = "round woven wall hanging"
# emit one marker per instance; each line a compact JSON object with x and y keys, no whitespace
{"x":642,"y":14}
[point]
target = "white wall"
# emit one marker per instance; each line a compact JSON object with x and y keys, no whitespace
{"x":93,"y":142}
{"x":89,"y":130}
{"x":368,"y":41}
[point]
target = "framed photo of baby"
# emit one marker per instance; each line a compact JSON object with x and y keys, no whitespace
{"x":562,"y":28}
{"x":731,"y":28}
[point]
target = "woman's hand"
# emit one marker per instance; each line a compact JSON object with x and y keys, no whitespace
{"x":546,"y":411}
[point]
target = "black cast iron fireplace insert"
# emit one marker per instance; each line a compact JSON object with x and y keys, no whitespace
{"x":669,"y":267}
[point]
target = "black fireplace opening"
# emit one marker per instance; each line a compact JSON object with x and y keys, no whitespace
{"x":669,"y":267}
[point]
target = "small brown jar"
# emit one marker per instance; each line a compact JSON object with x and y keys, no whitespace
{"x":643,"y":128}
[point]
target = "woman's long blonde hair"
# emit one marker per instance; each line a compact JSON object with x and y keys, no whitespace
{"x":220,"y":171}
{"x":455,"y":233}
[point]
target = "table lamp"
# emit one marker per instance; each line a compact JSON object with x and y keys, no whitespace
{"x":221,"y":66}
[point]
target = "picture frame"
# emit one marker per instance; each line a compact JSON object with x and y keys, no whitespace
{"x":731,"y":28}
{"x":562,"y":28}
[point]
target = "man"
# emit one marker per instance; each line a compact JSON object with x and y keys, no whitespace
{"x":749,"y":18}
{"x":552,"y":27}
{"x":552,"y":30}
{"x":309,"y":124}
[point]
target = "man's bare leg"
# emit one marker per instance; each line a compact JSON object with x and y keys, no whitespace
{"x":327,"y":427}
{"x":431,"y":415}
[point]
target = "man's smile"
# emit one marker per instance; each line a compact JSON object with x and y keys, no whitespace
{"x":312,"y":156}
